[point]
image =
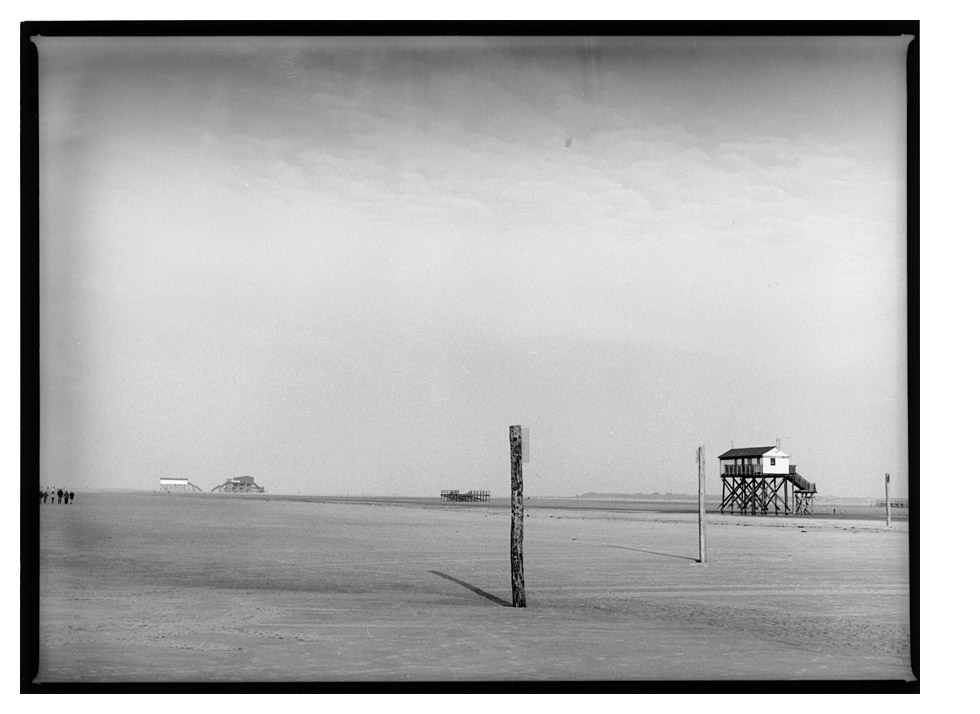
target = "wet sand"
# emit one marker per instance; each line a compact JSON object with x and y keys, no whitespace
{"x":208,"y":588}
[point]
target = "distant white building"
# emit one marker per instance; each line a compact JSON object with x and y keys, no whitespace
{"x":177,"y":484}
{"x":755,"y":461}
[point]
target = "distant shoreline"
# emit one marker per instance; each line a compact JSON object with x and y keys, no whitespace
{"x":830,"y":499}
{"x":842,"y":510}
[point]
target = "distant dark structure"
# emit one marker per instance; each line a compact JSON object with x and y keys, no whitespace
{"x":239,"y":484}
{"x":895,"y":503}
{"x":751,"y":479}
{"x":469,"y":496}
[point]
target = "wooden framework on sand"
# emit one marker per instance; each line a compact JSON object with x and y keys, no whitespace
{"x":803,"y":501}
{"x":753,"y":493}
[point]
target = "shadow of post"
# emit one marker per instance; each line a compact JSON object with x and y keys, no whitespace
{"x":473,"y":588}
{"x":652,"y":552}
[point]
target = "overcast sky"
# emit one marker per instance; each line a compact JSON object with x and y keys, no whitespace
{"x":348,"y":265}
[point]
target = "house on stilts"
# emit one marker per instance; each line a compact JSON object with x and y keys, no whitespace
{"x":239,"y":484}
{"x":752,"y":478}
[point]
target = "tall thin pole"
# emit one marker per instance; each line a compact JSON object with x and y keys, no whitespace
{"x":516,"y":519}
{"x":888,"y":502}
{"x":702,"y":548}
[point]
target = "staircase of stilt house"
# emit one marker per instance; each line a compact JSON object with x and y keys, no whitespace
{"x":801,"y":484}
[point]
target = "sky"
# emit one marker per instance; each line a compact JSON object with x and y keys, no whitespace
{"x":347,"y":265}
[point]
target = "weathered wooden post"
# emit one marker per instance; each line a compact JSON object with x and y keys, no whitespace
{"x":888,"y":502}
{"x":516,"y":519}
{"x":702,"y":549}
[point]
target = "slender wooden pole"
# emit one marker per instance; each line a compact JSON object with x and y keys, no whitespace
{"x":516,"y":519}
{"x":888,"y":502}
{"x":702,"y":551}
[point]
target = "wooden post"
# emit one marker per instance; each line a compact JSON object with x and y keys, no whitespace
{"x":702,"y":552}
{"x":786,"y":510}
{"x":888,"y":502}
{"x":516,"y":519}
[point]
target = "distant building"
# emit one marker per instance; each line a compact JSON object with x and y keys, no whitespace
{"x":455,"y":495}
{"x":239,"y":484}
{"x":752,"y":478}
{"x":170,"y":483}
{"x":755,"y":461}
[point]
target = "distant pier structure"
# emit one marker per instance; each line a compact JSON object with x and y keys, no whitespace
{"x":239,"y":484}
{"x":176,"y":485}
{"x":469,"y":496}
{"x":752,"y":478}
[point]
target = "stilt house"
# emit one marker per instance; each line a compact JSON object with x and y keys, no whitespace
{"x":752,"y":478}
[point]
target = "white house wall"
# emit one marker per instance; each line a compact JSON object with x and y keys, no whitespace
{"x":781,"y":467}
{"x":782,"y":462}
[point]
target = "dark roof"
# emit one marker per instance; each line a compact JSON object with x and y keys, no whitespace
{"x":749,"y":451}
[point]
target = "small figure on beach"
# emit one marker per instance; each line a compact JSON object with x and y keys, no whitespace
{"x":59,"y":496}
{"x":44,"y":496}
{"x":71,"y":497}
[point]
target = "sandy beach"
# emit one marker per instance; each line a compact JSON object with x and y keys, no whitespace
{"x":138,"y":587}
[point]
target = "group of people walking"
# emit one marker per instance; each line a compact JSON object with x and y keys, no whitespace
{"x":63,"y":495}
